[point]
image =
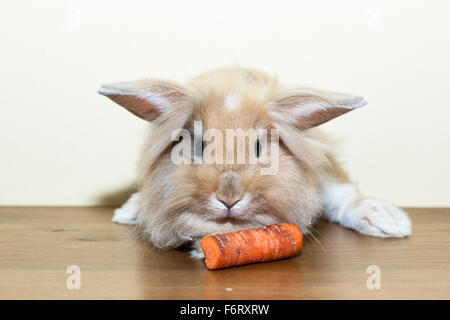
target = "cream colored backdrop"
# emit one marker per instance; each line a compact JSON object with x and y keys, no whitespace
{"x":63,"y":144}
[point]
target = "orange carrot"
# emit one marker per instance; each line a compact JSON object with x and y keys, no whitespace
{"x":270,"y":243}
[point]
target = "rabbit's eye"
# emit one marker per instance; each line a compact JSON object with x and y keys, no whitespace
{"x":257,"y":148}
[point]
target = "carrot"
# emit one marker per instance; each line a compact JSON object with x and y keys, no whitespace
{"x":270,"y":243}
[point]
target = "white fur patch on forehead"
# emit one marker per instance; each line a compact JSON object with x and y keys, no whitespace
{"x":233,"y":101}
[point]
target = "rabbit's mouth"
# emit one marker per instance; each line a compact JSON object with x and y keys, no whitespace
{"x":235,"y":210}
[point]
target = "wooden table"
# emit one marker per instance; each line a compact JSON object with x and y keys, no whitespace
{"x":38,"y":244}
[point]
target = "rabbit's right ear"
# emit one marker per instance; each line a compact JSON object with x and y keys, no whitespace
{"x":304,"y":108}
{"x":147,"y":98}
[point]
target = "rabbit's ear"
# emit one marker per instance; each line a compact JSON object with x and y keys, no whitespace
{"x":305,"y":108}
{"x":147,"y":98}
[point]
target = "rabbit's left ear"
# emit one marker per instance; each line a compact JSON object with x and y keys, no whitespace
{"x":305,"y":108}
{"x":149,"y":99}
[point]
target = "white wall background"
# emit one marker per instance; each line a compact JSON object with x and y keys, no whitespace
{"x":63,"y":144}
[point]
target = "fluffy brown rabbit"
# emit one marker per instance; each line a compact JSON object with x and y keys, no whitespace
{"x":181,"y":203}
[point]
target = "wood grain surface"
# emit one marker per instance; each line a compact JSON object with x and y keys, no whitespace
{"x":38,"y":244}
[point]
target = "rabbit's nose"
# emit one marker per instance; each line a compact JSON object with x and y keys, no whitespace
{"x":230,"y":186}
{"x":229,"y":204}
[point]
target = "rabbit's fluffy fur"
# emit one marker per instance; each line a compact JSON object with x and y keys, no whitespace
{"x":179,"y":204}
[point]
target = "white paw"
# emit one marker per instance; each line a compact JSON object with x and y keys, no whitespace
{"x":380,"y":219}
{"x":197,"y":254}
{"x":128,"y":212}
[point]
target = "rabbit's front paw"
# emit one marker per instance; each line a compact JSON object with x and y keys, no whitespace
{"x":380,"y":219}
{"x":197,"y":254}
{"x":128,"y":212}
{"x":197,"y":251}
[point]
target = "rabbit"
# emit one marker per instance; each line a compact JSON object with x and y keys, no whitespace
{"x":178,"y":204}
